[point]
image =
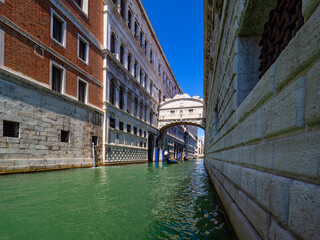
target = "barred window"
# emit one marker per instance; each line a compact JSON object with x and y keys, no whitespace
{"x":10,"y":129}
{"x":284,"y":22}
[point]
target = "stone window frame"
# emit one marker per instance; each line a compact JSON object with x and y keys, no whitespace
{"x":79,"y":79}
{"x":85,"y":6}
{"x":80,"y":38}
{"x":63,"y":80}
{"x":64,"y":28}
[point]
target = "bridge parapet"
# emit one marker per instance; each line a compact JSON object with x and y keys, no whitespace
{"x":181,"y":110}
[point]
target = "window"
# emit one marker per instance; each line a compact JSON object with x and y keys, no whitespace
{"x":129,"y":102}
{"x":94,"y":140}
{"x":135,"y":28}
{"x":141,"y":76}
{"x":129,"y":18}
{"x":135,"y":107}
{"x":140,"y":144}
{"x":151,"y":117}
{"x":121,"y":98}
{"x":141,"y":36}
{"x":128,"y":128}
{"x":113,"y":43}
{"x":140,"y":132}
{"x":82,"y":91}
{"x":145,"y":114}
{"x":145,"y":80}
{"x":58,"y":28}
{"x":122,"y":54}
{"x":190,"y":110}
{"x":129,"y":61}
{"x":135,"y":131}
{"x":10,"y":129}
{"x":151,"y":57}
{"x":135,"y":69}
{"x":285,"y":20}
{"x":83,"y":5}
{"x":172,"y":112}
{"x":122,"y":8}
{"x":144,"y":144}
{"x":145,"y":134}
{"x":151,"y":88}
{"x":121,"y":126}
{"x":112,"y":92}
{"x":141,"y":110}
{"x":83,"y":49}
{"x":57,"y":77}
{"x":65,"y":136}
{"x":146,"y":46}
{"x":112,"y":122}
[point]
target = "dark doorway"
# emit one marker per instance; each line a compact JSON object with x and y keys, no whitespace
{"x":150,"y":147}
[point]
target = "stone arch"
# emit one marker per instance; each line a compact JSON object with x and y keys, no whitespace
{"x":181,"y":110}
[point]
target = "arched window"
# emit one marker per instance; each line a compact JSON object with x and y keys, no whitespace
{"x":135,"y":28}
{"x":141,"y":110}
{"x":151,"y":117}
{"x":129,"y":107}
{"x":129,"y":61}
{"x":122,"y":54}
{"x":159,"y":69}
{"x":129,"y":19}
{"x":145,"y":113}
{"x":121,"y":98}
{"x":135,"y":107}
{"x":113,"y":43}
{"x":112,"y":92}
{"x":151,"y":56}
{"x":151,"y":88}
{"x":145,"y":80}
{"x":122,"y":8}
{"x":135,"y":69}
{"x":141,"y":76}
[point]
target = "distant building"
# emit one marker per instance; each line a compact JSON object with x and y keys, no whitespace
{"x":199,"y":147}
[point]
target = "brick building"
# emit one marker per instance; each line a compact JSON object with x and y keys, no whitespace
{"x":51,"y":83}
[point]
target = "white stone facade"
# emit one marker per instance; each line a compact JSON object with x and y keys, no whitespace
{"x":137,"y":78}
{"x":262,"y":136}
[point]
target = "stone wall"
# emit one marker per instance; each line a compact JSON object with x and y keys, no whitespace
{"x":262,"y":148}
{"x":42,"y":114}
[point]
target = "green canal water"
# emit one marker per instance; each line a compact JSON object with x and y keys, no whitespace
{"x":142,"y":201}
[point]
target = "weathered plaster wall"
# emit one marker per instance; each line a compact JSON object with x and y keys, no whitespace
{"x":42,"y":114}
{"x":262,"y":147}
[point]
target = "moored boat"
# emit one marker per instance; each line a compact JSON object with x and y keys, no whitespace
{"x":171,"y":161}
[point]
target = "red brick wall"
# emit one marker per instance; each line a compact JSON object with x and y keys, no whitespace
{"x":34,"y":17}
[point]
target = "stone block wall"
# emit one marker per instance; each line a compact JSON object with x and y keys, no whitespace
{"x":42,"y":114}
{"x":262,"y":147}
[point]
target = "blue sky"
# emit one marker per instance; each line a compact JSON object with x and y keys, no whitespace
{"x":179,"y":27}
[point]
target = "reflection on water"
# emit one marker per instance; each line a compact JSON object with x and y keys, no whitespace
{"x":144,"y":201}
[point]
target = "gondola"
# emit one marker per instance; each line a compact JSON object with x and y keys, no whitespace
{"x":171,"y":160}
{"x":186,"y":158}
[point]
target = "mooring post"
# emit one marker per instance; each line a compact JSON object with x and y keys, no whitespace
{"x":162,"y":156}
{"x":157,"y":155}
